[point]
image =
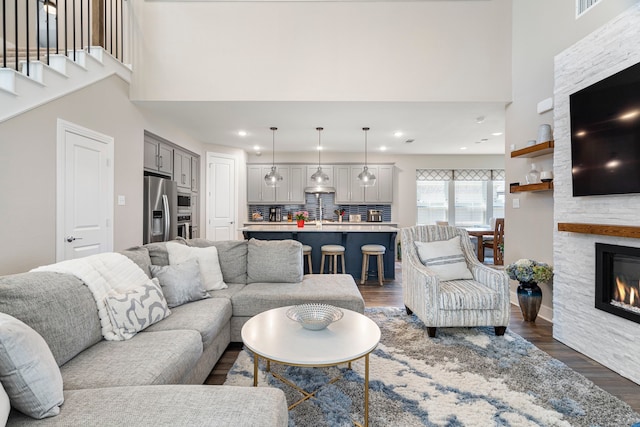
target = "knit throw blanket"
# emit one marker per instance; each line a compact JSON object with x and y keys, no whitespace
{"x":102,"y":273}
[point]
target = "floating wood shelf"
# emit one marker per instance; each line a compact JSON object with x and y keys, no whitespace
{"x":535,"y":150}
{"x":541,"y":186}
{"x":601,"y":229}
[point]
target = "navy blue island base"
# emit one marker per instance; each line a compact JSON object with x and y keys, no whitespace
{"x":337,"y":235}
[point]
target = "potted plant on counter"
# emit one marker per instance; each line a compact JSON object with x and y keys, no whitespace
{"x":301,"y":217}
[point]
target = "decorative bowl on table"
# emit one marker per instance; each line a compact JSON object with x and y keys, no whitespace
{"x":314,"y":316}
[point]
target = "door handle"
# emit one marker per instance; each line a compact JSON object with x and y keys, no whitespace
{"x":71,"y":238}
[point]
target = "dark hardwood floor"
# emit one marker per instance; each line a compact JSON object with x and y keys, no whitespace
{"x":539,"y":333}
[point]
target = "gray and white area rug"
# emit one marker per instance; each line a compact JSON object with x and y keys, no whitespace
{"x":464,"y":377}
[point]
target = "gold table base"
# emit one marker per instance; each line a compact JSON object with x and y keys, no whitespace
{"x":308,"y":395}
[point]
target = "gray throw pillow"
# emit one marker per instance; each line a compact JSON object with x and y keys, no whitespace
{"x":139,"y":255}
{"x":28,"y":370}
{"x":274,"y":261}
{"x":158,"y":251}
{"x":180,"y":283}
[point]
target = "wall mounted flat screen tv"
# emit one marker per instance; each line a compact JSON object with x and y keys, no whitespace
{"x":605,"y":135}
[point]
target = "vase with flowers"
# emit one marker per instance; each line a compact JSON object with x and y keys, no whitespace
{"x":301,"y":217}
{"x":340,"y":213}
{"x":529,"y":273}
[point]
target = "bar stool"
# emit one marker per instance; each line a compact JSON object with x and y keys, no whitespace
{"x":306,"y":252}
{"x":377,"y":250}
{"x":332,"y":251}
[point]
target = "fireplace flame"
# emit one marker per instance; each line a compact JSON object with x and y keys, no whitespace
{"x":626,"y":294}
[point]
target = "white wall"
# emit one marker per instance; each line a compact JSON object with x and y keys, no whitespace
{"x":322,"y":51}
{"x":403,"y":209}
{"x":576,"y":322}
{"x":28,"y":172}
{"x":541,"y":30}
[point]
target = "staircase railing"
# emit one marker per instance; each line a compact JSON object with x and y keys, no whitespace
{"x":60,"y":27}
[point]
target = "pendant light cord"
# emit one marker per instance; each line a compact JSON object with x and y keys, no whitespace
{"x":365,"y":145}
{"x":273,"y":146}
{"x":319,"y":145}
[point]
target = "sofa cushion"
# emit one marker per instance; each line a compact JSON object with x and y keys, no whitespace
{"x":170,"y":405}
{"x":163,"y":357}
{"x":139,"y":255}
{"x":467,"y":295}
{"x":57,"y":306}
{"x":274,"y":261}
{"x":232,"y":255}
{"x":136,"y":309}
{"x":339,"y":290}
{"x":28,"y":370}
{"x":445,"y":258}
{"x":208,"y":263}
{"x":208,"y":317}
{"x":181,"y":283}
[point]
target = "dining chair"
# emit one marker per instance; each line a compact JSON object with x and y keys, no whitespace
{"x":497,"y":242}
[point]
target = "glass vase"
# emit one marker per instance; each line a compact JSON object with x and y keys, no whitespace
{"x":533,"y":177}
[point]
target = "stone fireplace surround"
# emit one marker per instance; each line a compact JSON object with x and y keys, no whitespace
{"x":610,"y":340}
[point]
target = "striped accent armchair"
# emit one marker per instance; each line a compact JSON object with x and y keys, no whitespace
{"x":482,"y":301}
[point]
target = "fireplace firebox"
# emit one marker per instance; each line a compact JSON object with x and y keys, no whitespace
{"x":618,"y":280}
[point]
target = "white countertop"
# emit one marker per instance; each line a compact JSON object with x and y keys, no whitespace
{"x":325,"y":228}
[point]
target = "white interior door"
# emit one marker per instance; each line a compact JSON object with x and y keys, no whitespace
{"x":221,"y":201}
{"x":85,"y":192}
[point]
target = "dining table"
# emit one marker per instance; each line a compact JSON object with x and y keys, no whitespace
{"x":479,"y":233}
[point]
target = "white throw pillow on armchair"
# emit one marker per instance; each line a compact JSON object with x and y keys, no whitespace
{"x":5,"y":406}
{"x":445,"y":258}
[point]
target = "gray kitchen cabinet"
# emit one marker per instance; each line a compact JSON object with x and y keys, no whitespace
{"x":182,"y":169}
{"x":349,"y":190}
{"x":347,"y":185}
{"x":195,"y":174}
{"x":257,"y":191}
{"x":296,"y":184}
{"x":311,"y":169}
{"x":158,"y":157}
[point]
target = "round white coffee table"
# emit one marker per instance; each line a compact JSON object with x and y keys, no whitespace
{"x":276,"y":338}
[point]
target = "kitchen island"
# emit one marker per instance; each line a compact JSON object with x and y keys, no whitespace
{"x":352,"y":237}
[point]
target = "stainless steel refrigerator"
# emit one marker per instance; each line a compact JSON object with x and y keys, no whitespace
{"x":160,"y":209}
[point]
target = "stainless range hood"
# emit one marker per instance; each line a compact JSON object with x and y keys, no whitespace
{"x":320,"y":190}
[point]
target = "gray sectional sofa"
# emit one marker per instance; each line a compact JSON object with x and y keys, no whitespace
{"x":155,"y":377}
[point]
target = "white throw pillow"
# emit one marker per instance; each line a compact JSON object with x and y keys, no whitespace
{"x":445,"y":258}
{"x":28,"y":370}
{"x":136,"y":309}
{"x":210,"y":271}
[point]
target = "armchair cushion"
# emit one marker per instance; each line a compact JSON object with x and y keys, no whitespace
{"x":445,"y":258}
{"x":467,"y":295}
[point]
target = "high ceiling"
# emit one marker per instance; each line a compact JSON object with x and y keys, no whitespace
{"x":435,"y":128}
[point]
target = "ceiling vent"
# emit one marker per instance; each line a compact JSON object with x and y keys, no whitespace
{"x":583,"y":5}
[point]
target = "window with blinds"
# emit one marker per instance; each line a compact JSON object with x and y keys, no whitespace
{"x":464,"y":197}
{"x":583,"y":5}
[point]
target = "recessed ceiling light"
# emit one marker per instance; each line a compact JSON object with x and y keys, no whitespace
{"x":496,"y":133}
{"x":397,"y":134}
{"x":319,"y":148}
{"x":256,"y":147}
{"x":463,"y":148}
{"x":480,"y":119}
{"x":484,"y":140}
{"x":242,"y":133}
{"x":383,"y":148}
{"x":409,"y":141}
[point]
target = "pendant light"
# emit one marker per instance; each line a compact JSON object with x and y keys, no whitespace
{"x":319,"y":177}
{"x":273,"y":178}
{"x":367,"y":179}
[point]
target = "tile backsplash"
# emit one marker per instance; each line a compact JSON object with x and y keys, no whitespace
{"x":328,"y":206}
